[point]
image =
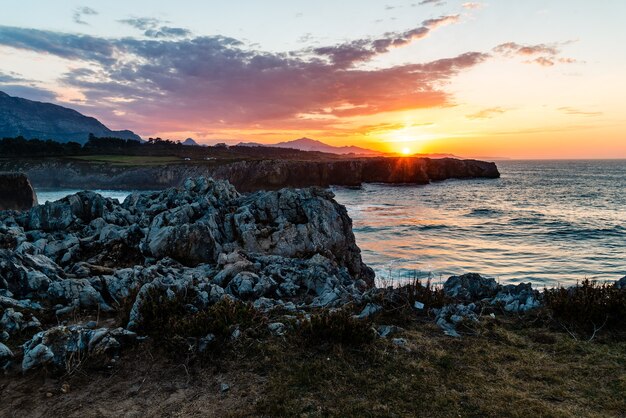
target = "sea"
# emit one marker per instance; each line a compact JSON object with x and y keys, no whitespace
{"x":546,"y":222}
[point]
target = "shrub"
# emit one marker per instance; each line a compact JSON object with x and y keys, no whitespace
{"x":588,"y":307}
{"x":399,"y":302}
{"x":337,"y":327}
{"x":173,"y":320}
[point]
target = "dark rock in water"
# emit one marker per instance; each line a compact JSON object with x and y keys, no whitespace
{"x":16,"y":192}
{"x":470,"y":287}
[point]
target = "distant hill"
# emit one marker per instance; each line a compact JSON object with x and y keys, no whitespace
{"x":30,"y":119}
{"x":308,"y":144}
{"x":190,"y":142}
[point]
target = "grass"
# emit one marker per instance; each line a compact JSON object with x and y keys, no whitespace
{"x":509,"y":369}
{"x":510,"y":365}
{"x":128,"y":160}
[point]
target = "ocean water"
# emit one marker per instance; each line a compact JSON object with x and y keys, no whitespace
{"x":548,"y":222}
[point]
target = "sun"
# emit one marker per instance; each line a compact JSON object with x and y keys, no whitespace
{"x":406,"y":151}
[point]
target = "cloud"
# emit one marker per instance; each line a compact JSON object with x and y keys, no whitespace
{"x":472,"y":5}
{"x":10,"y":77}
{"x":155,"y":28}
{"x":350,"y":53}
{"x":217,"y":83}
{"x":83,"y":11}
{"x":433,"y":2}
{"x":574,"y":111}
{"x":487,"y":113}
{"x":548,"y":53}
{"x":28,"y":92}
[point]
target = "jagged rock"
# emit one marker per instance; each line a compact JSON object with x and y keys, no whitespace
{"x":450,"y":315}
{"x":520,"y":298}
{"x":60,"y":346}
{"x":385,"y":331}
{"x":14,"y":322}
{"x":470,"y":287}
{"x":6,"y":355}
{"x":369,"y":310}
{"x":621,"y":283}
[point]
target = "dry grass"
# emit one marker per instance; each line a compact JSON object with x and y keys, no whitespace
{"x":507,"y":368}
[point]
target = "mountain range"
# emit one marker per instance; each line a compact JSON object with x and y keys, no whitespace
{"x":308,"y":144}
{"x":31,"y":119}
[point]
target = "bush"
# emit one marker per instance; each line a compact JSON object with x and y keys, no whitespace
{"x":338,"y":327}
{"x":588,"y":307}
{"x":399,"y":302}
{"x":174,"y":320}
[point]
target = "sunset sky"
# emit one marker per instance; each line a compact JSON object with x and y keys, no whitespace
{"x":501,"y":78}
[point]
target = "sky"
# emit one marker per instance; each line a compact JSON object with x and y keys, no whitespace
{"x":499,"y":78}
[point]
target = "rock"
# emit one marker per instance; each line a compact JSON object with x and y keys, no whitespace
{"x":205,"y":342}
{"x":400,"y":342}
{"x":520,"y":298}
{"x":470,"y":287}
{"x":449,"y":316}
{"x":418,"y":305}
{"x":621,"y":283}
{"x":370,"y":310}
{"x":37,"y":356}
{"x":385,"y":331}
{"x":224,"y":387}
{"x":6,"y":355}
{"x":63,"y":346}
{"x":16,"y":192}
{"x":13,"y":322}
{"x":277,"y":328}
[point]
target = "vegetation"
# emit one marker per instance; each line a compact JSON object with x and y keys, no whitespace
{"x":588,"y":308}
{"x":153,"y":147}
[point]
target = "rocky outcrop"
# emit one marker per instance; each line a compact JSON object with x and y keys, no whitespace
{"x":472,"y":292}
{"x":254,"y":175}
{"x":16,"y":192}
{"x":292,"y":249}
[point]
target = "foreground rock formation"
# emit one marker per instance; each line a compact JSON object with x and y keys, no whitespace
{"x":253,"y":175}
{"x":69,"y":268}
{"x":289,"y":248}
{"x":16,"y":192}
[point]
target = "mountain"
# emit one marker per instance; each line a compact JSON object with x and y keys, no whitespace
{"x":30,"y":119}
{"x":190,"y":142}
{"x":308,"y":144}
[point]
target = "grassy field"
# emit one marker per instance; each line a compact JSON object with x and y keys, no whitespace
{"x":128,"y":160}
{"x":503,"y":368}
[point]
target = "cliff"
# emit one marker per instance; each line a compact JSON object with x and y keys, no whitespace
{"x":251,"y":175}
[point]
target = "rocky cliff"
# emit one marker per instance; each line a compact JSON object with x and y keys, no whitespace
{"x":253,"y":175}
{"x":291,"y":249}
{"x":30,"y":119}
{"x":16,"y":192}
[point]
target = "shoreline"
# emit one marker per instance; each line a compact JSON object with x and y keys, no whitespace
{"x":268,"y":294}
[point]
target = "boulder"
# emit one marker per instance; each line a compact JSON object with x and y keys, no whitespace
{"x":621,"y":283}
{"x":470,"y":287}
{"x":61,"y":347}
{"x":16,"y":192}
